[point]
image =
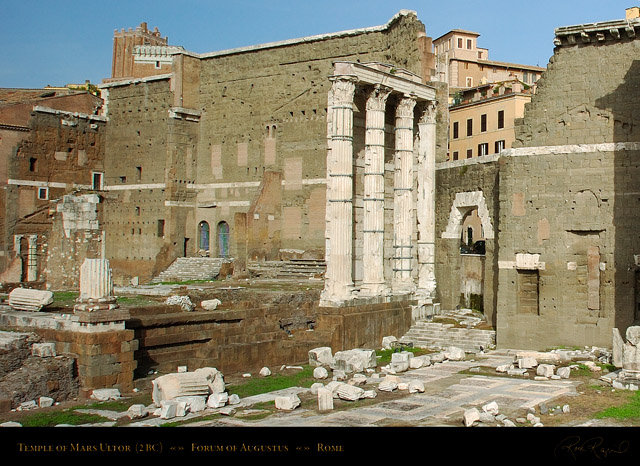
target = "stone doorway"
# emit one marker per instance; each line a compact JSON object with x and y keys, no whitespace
{"x":203,"y":236}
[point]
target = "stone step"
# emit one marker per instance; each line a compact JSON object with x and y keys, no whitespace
{"x":191,"y":268}
{"x":440,"y":336}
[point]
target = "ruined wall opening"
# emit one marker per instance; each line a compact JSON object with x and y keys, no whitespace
{"x":223,"y":239}
{"x":203,"y":236}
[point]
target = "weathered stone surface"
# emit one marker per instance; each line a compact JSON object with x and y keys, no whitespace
{"x":168,"y":409}
{"x":325,"y":399}
{"x":315,"y":387}
{"x":217,"y":400}
{"x":210,"y":304}
{"x":234,"y":399}
{"x":45,"y":402}
{"x":564,"y":372}
{"x":416,"y":363}
{"x":194,"y":404}
{"x":10,"y":424}
{"x":358,"y":380}
{"x":618,"y":348}
{"x":287,"y":403}
{"x":491,"y":408}
{"x":545,"y":370}
{"x":320,"y":356}
{"x":527,"y":363}
{"x":200,"y":382}
{"x":487,"y":418}
{"x":633,"y":335}
{"x":454,"y":353}
{"x":105,"y":394}
{"x":504,"y":367}
{"x":387,"y":386}
{"x":333,"y":386}
{"x":24,"y":299}
{"x":388,"y":341}
{"x":350,"y":392}
{"x":43,"y":350}
{"x":416,"y":386}
{"x":356,"y":360}
{"x":339,"y":375}
{"x":400,"y":361}
{"x":320,"y":373}
{"x":265,"y":372}
{"x":369,"y":394}
{"x":137,"y":411}
{"x":183,"y":301}
{"x":508,"y":423}
{"x":470,"y":416}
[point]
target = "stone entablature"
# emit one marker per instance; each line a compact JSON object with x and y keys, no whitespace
{"x":155,"y":53}
{"x":593,"y":33}
{"x":379,"y":81}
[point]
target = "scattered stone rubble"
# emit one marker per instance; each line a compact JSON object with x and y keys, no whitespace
{"x":625,"y":357}
{"x":489,"y":415}
{"x":183,"y":301}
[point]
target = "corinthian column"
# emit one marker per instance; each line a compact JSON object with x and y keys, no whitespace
{"x":426,"y":202}
{"x":338,"y":276}
{"x":373,"y":232}
{"x":403,"y":197}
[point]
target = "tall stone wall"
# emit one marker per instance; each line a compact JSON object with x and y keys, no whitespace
{"x":568,"y":244}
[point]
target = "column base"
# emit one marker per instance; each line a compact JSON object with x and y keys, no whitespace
{"x":374,"y":289}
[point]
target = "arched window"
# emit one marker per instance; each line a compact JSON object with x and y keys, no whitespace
{"x":223,"y":239}
{"x":203,"y":236}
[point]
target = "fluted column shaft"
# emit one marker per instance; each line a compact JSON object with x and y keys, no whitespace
{"x":403,"y":196}
{"x":425,"y":202}
{"x":373,"y":282}
{"x":339,"y":276}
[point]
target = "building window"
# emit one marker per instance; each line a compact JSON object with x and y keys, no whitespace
{"x":499,"y":146}
{"x":33,"y":164}
{"x":459,"y":42}
{"x":96,"y":181}
{"x":466,"y":66}
{"x":500,"y":119}
{"x":43,"y":193}
{"x":479,"y":55}
{"x":525,"y":77}
{"x":470,"y":127}
{"x":455,"y":130}
{"x":483,"y":149}
{"x":469,"y":44}
{"x":161,"y":228}
{"x":469,"y":82}
{"x":157,"y":65}
{"x":138,"y":173}
{"x":483,"y":123}
{"x":123,"y":179}
{"x":469,"y":153}
{"x":455,"y":155}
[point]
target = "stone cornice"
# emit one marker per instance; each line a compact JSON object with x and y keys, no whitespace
{"x":334,"y":35}
{"x":39,"y":108}
{"x":593,"y":33}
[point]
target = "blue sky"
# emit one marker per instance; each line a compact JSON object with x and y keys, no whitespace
{"x":45,"y":42}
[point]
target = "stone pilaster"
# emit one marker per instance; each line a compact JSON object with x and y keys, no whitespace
{"x":32,"y":259}
{"x":403,"y":217}
{"x":339,"y":276}
{"x":425,"y":202}
{"x":373,"y":282}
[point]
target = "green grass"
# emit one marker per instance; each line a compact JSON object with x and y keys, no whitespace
{"x":631,"y":410}
{"x":65,"y":297}
{"x":60,"y":417}
{"x":257,"y":385}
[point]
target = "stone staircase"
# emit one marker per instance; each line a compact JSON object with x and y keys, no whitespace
{"x":292,"y":268}
{"x":190,"y":268}
{"x":437,"y":335}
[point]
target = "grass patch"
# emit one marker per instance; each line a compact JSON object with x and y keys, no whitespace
{"x":136,"y":301}
{"x":628,"y":411}
{"x":257,"y":385}
{"x":65,"y":298}
{"x":60,"y":417}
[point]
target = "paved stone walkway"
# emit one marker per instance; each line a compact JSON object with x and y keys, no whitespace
{"x":447,"y":394}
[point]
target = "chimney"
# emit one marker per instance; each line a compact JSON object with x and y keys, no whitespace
{"x":632,"y":13}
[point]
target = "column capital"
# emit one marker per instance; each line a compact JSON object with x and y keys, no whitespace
{"x":405,"y":106}
{"x":429,"y":110}
{"x":342,"y":88}
{"x":377,"y":97}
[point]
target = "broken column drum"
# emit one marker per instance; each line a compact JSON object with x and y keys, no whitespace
{"x":96,"y":286}
{"x":414,"y":160}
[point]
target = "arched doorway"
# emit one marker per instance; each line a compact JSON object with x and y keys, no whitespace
{"x":223,"y":239}
{"x":203,"y":236}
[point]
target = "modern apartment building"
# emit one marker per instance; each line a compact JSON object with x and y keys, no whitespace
{"x":482,"y":118}
{"x":463,"y":65}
